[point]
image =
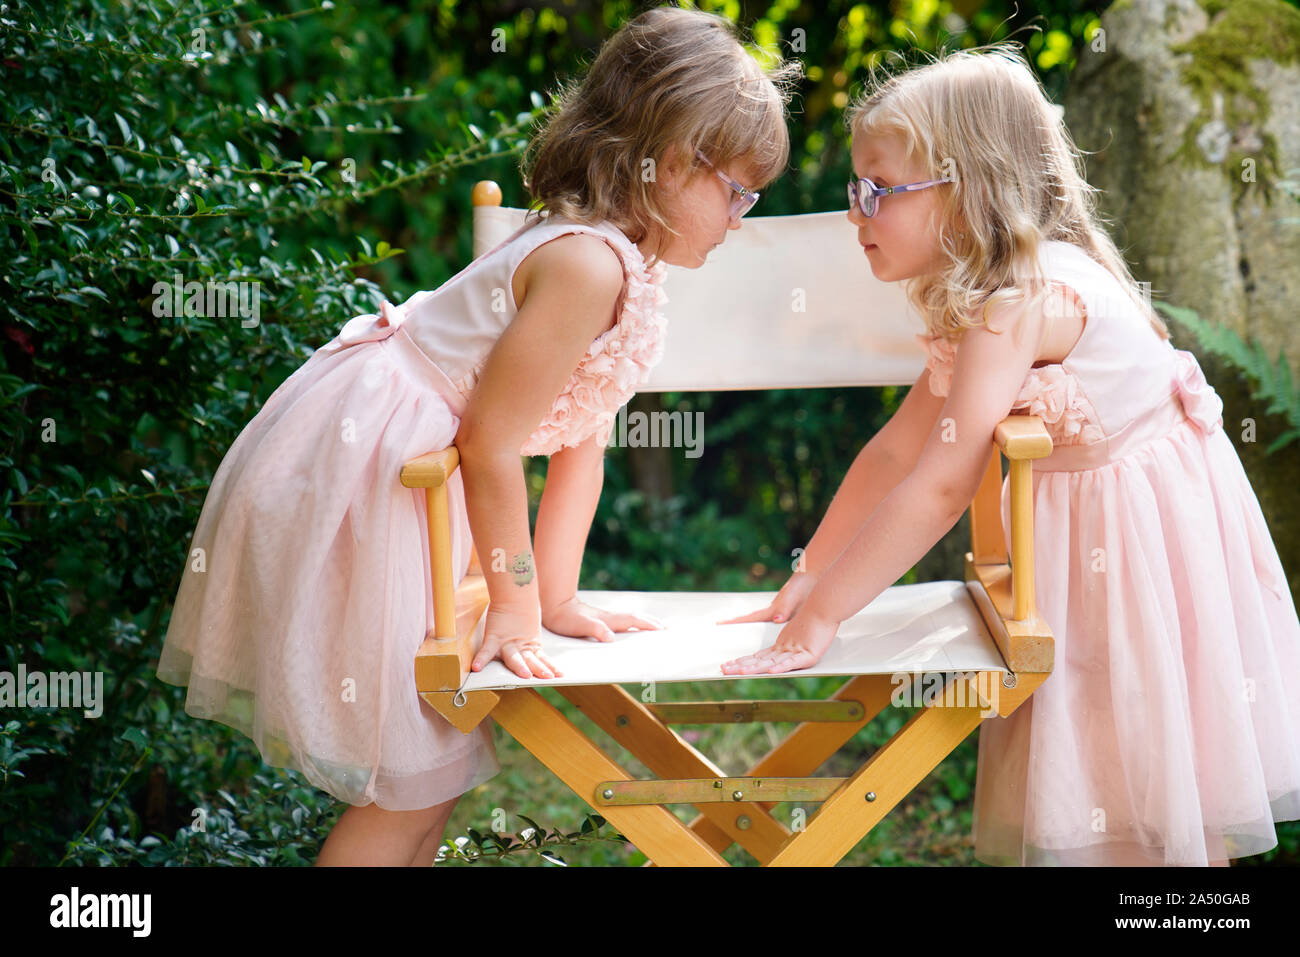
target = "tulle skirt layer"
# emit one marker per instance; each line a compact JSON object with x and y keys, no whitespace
{"x":1169,"y":730}
{"x":306,"y":595}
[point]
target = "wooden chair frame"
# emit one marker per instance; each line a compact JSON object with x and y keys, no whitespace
{"x":738,"y":809}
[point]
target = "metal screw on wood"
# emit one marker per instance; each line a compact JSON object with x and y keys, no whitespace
{"x":1008,"y":680}
{"x":607,"y":794}
{"x":871,"y":795}
{"x":742,"y":822}
{"x":621,"y":721}
{"x":737,"y":795}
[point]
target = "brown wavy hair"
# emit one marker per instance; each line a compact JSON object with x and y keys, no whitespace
{"x":1020,"y":180}
{"x":669,"y":77}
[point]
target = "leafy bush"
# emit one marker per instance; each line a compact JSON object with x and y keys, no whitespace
{"x":324,"y":156}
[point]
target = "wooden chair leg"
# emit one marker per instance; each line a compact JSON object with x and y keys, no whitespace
{"x":878,"y":786}
{"x":807,"y":747}
{"x":540,"y":727}
{"x":662,"y":750}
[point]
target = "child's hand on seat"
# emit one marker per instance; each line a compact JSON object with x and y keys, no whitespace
{"x":801,"y":644}
{"x":578,"y":620}
{"x":785,"y":604}
{"x":511,"y":634}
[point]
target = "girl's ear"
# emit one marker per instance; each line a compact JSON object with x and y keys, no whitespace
{"x":671,"y":171}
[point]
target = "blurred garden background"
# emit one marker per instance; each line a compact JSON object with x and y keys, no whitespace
{"x":327,"y":151}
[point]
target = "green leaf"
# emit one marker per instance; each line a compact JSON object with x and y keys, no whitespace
{"x":71,"y":472}
{"x":134,"y":736}
{"x":126,"y":130}
{"x":1282,"y":441}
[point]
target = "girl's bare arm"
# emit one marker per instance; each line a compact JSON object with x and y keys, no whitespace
{"x":574,"y":282}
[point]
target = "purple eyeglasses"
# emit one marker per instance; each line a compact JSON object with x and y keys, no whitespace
{"x":744,"y":199}
{"x":865,"y":194}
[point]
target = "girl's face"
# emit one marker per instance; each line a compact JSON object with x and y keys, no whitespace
{"x":698,"y":207}
{"x":902,"y":239}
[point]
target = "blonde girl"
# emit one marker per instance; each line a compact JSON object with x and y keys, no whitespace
{"x":1169,"y":731}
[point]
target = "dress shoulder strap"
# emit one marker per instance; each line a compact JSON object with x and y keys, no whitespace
{"x":537,"y":234}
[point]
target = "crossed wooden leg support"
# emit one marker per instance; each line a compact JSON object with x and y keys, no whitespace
{"x":851,"y":808}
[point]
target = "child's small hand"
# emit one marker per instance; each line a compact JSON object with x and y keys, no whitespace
{"x":577,"y":620}
{"x":511,"y":634}
{"x":801,"y":644}
{"x":786,"y":602}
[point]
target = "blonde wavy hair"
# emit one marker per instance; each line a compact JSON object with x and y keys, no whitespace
{"x":669,"y":77}
{"x":983,"y":114}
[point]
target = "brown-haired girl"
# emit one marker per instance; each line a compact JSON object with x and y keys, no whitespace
{"x":300,"y":625}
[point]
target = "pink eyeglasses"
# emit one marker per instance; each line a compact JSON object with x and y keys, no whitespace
{"x":744,"y":199}
{"x":865,"y":194}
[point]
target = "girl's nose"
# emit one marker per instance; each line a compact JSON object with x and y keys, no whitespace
{"x":855,"y":215}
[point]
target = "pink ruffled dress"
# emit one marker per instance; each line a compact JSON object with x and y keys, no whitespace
{"x":1169,"y":730}
{"x":306,"y":593}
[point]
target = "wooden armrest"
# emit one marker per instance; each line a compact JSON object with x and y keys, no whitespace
{"x":442,"y":664}
{"x":1023,"y":437}
{"x":1020,"y":438}
{"x":431,"y":469}
{"x":1026,"y":644}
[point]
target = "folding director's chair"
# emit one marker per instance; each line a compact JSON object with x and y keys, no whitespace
{"x":810,"y":314}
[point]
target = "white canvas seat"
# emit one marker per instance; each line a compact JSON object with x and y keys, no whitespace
{"x":928,"y":627}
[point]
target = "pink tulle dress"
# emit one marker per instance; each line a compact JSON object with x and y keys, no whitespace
{"x":306,"y":593}
{"x":1169,"y":730}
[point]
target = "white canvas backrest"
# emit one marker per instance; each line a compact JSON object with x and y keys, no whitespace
{"x":785,"y":302}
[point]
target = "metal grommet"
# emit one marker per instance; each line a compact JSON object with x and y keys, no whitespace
{"x":459,"y":700}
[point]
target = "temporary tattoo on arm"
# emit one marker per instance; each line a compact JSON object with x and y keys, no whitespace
{"x":522,"y":567}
